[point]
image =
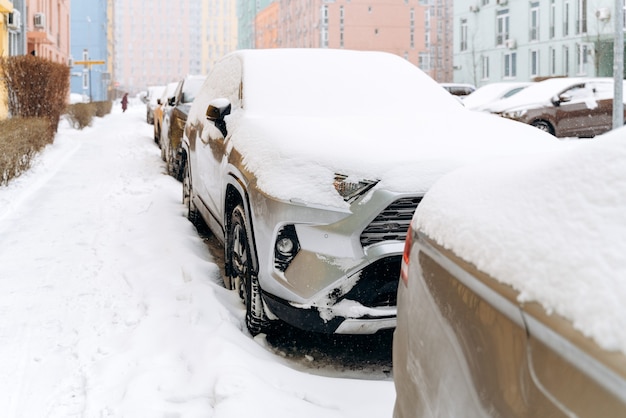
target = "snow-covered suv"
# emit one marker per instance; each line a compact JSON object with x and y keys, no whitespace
{"x":308,"y":165}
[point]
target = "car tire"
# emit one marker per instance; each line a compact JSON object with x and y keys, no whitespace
{"x":543,"y":126}
{"x":241,"y":273}
{"x":192,"y":212}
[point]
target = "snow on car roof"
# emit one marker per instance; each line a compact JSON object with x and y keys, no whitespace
{"x":551,"y":226}
{"x":311,"y":113}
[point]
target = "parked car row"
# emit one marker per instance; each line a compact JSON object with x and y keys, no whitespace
{"x":167,"y":109}
{"x":311,"y":188}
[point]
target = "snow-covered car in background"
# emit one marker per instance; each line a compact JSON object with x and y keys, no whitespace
{"x":152,"y":95}
{"x":163,"y":105}
{"x":563,"y":107}
{"x":511,"y":302}
{"x":308,"y":164}
{"x":483,"y":96}
{"x":174,"y":119}
{"x":461,"y":90}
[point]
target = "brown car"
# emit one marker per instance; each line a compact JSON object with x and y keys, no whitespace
{"x":564,"y":107}
{"x":512,"y":291}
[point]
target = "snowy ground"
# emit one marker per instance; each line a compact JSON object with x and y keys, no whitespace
{"x":111,"y":305}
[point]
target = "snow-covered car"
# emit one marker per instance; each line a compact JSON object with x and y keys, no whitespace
{"x":308,"y":164}
{"x":511,"y":302}
{"x":563,"y":107}
{"x":152,"y":95}
{"x":461,"y":90}
{"x":483,"y":96}
{"x":174,"y":119}
{"x":163,"y":105}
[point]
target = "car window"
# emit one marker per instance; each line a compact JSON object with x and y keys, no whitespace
{"x":190,"y":89}
{"x":603,"y":90}
{"x":579,"y":93}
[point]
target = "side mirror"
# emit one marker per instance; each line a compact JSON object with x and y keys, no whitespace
{"x":562,"y":98}
{"x":171,"y":101}
{"x":159,"y":102}
{"x":216,"y":112}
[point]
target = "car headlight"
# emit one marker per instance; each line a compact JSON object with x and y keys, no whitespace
{"x":350,"y":189}
{"x":515,"y":114}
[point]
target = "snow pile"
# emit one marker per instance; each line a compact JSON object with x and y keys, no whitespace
{"x":111,"y":306}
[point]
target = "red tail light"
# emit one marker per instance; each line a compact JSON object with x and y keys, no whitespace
{"x":408,"y":243}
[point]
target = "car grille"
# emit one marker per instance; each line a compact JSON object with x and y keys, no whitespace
{"x":392,"y":223}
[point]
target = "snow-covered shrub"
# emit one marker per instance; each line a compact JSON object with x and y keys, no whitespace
{"x":80,"y":115}
{"x":20,"y":140}
{"x":37,"y":87}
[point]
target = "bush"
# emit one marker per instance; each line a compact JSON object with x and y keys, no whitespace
{"x":80,"y":115}
{"x":36,"y":87}
{"x":103,"y":108}
{"x":20,"y":140}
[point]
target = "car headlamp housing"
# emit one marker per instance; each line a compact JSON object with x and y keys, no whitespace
{"x":515,"y":114}
{"x":350,"y":189}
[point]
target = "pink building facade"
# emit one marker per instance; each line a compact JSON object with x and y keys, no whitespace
{"x":155,"y":42}
{"x":48,"y":25}
{"x":394,"y":26}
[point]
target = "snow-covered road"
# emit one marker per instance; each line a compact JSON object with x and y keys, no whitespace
{"x":111,"y":306}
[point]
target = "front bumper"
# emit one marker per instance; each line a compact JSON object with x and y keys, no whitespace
{"x":345,"y":275}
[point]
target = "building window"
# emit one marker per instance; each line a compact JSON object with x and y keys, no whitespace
{"x":463,"y":32}
{"x":582,"y":52}
{"x":552,"y":19}
{"x":341,"y":27}
{"x":510,"y":64}
{"x":85,"y":79}
{"x":552,"y":52}
{"x":566,"y":19}
{"x":411,"y":28}
{"x":484,"y":67}
{"x":534,"y":62}
{"x":324,"y":28}
{"x":424,"y":61}
{"x":566,"y":60}
{"x":534,"y":22}
{"x":502,"y":27}
{"x":581,"y":17}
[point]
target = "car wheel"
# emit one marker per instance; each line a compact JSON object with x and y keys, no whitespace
{"x":192,"y":212}
{"x":175,"y":165}
{"x":544,"y":126}
{"x":241,"y":274}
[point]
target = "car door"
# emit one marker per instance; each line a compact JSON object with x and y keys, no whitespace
{"x":575,"y":110}
{"x":603,"y":115}
{"x":212,"y":152}
{"x":579,"y":377}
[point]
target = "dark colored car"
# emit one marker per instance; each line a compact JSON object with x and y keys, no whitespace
{"x":174,"y":118}
{"x":511,"y":302}
{"x":563,"y":107}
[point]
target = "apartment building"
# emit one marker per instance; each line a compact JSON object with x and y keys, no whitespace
{"x":48,"y":29}
{"x":89,"y":50}
{"x":385,"y":25}
{"x":497,"y":40}
{"x":219,"y":31}
{"x":155,"y":42}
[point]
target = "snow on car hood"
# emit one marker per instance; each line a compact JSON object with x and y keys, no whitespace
{"x":296,"y":158}
{"x":551,"y":226}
